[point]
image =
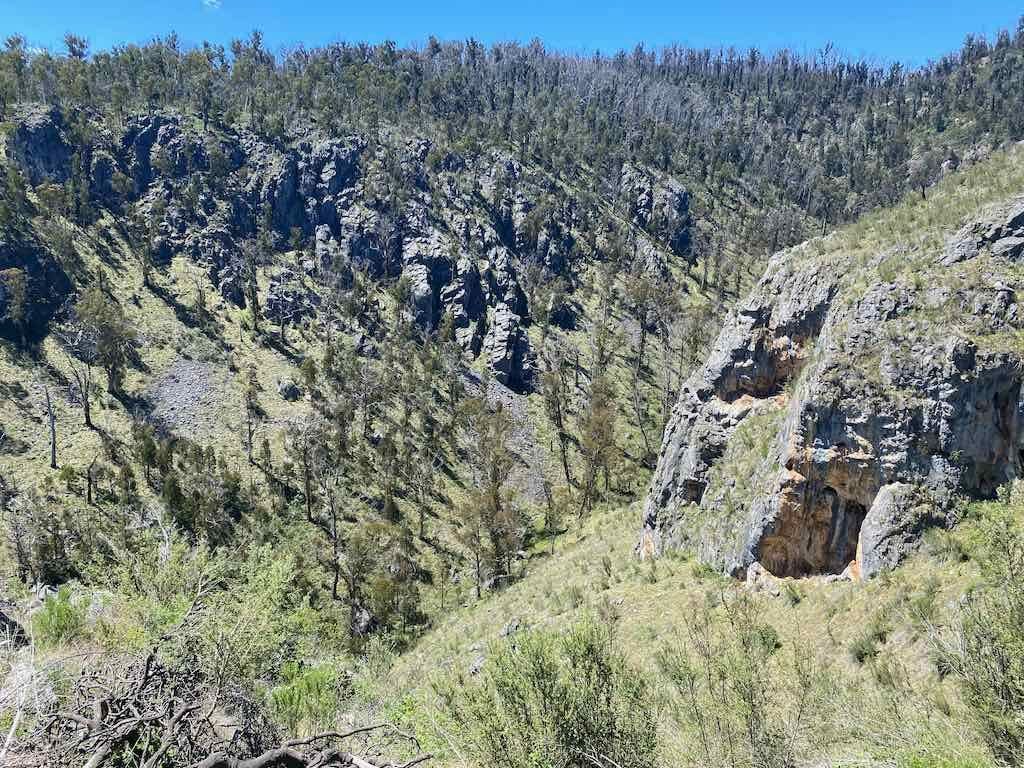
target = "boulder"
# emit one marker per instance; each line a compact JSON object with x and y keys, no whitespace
{"x":288,"y":389}
{"x":362,"y":623}
{"x":477,"y":665}
{"x":510,"y":627}
{"x":760,"y":580}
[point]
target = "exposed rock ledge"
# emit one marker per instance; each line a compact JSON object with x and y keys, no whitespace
{"x":866,"y":412}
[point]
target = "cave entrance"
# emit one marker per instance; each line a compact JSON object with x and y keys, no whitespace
{"x":843,"y":535}
{"x":817,"y":537}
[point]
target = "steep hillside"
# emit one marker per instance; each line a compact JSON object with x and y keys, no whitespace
{"x":333,"y":383}
{"x":849,"y":412}
{"x":234,"y":260}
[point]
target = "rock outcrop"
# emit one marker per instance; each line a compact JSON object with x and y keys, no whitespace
{"x":840,"y":414}
{"x":508,"y":350}
{"x":463,"y":233}
{"x":33,"y":286}
{"x":660,"y":206}
{"x":1001,"y":232}
{"x":39,"y":145}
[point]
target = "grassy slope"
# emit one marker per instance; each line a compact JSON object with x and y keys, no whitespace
{"x":594,"y":571}
{"x":165,"y":340}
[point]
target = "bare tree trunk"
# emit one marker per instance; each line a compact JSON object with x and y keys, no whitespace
{"x":638,"y":410}
{"x":89,"y":480}
{"x":53,"y":430}
{"x":335,"y":549}
{"x":479,"y":572}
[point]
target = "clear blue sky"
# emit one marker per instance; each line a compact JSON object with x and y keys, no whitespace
{"x":911,"y":31}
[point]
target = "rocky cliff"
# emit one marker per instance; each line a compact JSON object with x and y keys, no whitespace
{"x":849,"y":401}
{"x":472,"y":234}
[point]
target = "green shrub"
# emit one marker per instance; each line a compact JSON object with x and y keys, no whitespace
{"x":738,"y":697}
{"x":793,"y":594}
{"x":556,"y":700}
{"x":307,"y":699}
{"x":68,"y":477}
{"x":702,"y":571}
{"x":989,"y":654}
{"x":945,"y":546}
{"x":865,"y":646}
{"x":59,"y":620}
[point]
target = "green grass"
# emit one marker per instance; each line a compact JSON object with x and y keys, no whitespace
{"x":594,"y":572}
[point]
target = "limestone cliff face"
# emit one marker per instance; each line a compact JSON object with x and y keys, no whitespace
{"x":840,"y":413}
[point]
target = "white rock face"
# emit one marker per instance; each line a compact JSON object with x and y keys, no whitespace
{"x":887,"y":404}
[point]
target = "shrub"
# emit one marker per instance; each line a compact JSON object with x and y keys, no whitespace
{"x":793,"y":594}
{"x":59,"y":620}
{"x":740,"y":698}
{"x":989,"y":655}
{"x":944,"y":546}
{"x":68,"y":477}
{"x":307,"y":699}
{"x":551,"y":700}
{"x":702,"y":571}
{"x":865,"y":646}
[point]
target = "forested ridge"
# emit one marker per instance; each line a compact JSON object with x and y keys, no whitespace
{"x":331,"y":379}
{"x":833,"y":137}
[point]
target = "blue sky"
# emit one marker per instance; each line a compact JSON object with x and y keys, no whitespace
{"x":911,"y":31}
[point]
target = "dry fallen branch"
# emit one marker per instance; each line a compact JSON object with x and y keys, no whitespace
{"x":163,"y":716}
{"x":303,"y":753}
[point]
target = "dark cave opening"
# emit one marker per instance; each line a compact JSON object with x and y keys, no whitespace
{"x":817,"y":537}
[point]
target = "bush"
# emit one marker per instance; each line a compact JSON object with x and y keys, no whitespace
{"x":792,"y":594}
{"x":865,"y":646}
{"x":59,"y":620}
{"x":989,"y":657}
{"x":557,"y":700}
{"x":741,"y":699}
{"x":945,"y":546}
{"x":308,"y":698}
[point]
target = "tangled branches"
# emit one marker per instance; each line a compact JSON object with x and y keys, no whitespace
{"x":144,"y":712}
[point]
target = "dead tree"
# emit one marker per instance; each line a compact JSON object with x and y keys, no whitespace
{"x":81,"y":353}
{"x":53,"y":430}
